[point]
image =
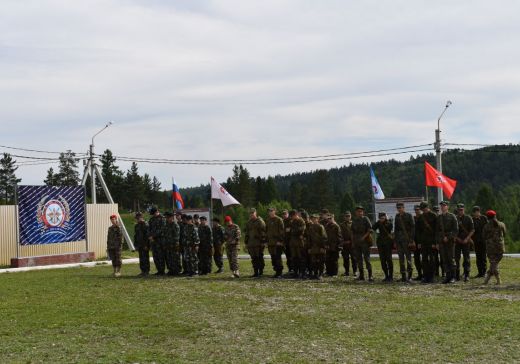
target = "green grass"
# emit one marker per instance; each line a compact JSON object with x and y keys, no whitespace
{"x":85,"y":315}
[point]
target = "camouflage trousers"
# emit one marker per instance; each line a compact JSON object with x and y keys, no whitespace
{"x":144,"y":259}
{"x":494,"y":260}
{"x":462,"y":250}
{"x":276,"y":257}
{"x":257,"y":256}
{"x":288,"y":256}
{"x":173,"y":260}
{"x":362,"y":252}
{"x":428,"y":261}
{"x":217,"y":255}
{"x":385,"y":257}
{"x":192,"y":260}
{"x":317,"y":263}
{"x":298,"y":257}
{"x":480,"y":252}
{"x":349,"y":259}
{"x":115,"y":256}
{"x":232,"y":255}
{"x":405,"y":257}
{"x":447,"y":257}
{"x":331,"y":262}
{"x":159,"y":257}
{"x":417,"y":261}
{"x":205,"y":259}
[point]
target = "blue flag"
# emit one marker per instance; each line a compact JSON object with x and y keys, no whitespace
{"x":376,"y":188}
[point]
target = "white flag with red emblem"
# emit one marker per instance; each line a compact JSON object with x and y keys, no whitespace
{"x":219,"y":193}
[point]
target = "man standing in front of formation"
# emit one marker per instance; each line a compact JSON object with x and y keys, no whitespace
{"x":114,"y":245}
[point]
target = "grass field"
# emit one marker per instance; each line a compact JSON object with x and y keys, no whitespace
{"x":85,"y":315}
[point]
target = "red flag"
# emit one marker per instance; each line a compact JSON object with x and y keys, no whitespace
{"x":434,"y":178}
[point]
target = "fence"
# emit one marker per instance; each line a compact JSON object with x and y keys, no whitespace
{"x":98,"y":221}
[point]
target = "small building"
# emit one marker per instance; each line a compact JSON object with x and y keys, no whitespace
{"x":388,"y":206}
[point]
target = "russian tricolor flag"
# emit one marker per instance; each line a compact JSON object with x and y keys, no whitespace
{"x":177,"y":198}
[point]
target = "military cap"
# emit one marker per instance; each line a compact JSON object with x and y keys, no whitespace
{"x":196,"y":216}
{"x":347,"y":213}
{"x":168,"y":214}
{"x":153,"y":210}
{"x":184,"y":216}
{"x":304,"y":214}
{"x":292,"y":212}
{"x":382,"y":214}
{"x":252,"y":210}
{"x":324,"y":211}
{"x":329,"y":216}
{"x":436,"y":208}
{"x":189,"y":217}
{"x":491,"y":214}
{"x":271,"y":209}
{"x":476,"y":208}
{"x":460,"y":206}
{"x":424,"y":205}
{"x":399,"y":204}
{"x":285,"y":211}
{"x":445,"y":203}
{"x":138,"y":214}
{"x":204,"y":218}
{"x":360,"y":208}
{"x":315,"y":216}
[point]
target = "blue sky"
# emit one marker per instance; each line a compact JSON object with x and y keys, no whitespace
{"x":251,"y":79}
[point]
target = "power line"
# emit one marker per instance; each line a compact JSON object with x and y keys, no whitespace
{"x":35,"y":150}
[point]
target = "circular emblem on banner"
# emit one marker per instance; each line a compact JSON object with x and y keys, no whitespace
{"x":53,"y":214}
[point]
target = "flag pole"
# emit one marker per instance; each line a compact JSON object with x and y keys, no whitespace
{"x":211,"y":200}
{"x":173,"y":195}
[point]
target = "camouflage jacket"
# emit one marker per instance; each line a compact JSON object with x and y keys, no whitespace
{"x":205,"y":236}
{"x":494,"y":234}
{"x":360,"y":227}
{"x":275,"y":230}
{"x":346,"y":231}
{"x":447,"y":227}
{"x":192,"y":236}
{"x":141,"y":235}
{"x":384,"y":232}
{"x":114,"y":238}
{"x":465,"y":226}
{"x":478,"y":224}
{"x":182,"y":233}
{"x":298,"y":227}
{"x":255,"y":232}
{"x":316,"y":239}
{"x":171,"y":234}
{"x":334,"y":240}
{"x":287,"y":229}
{"x":218,"y":235}
{"x":404,"y":227}
{"x":232,"y":234}
{"x":155,"y":229}
{"x":425,"y":228}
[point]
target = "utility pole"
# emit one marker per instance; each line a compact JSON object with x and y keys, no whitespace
{"x":438,"y":150}
{"x":92,"y":169}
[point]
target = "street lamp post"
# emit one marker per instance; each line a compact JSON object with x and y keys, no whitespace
{"x":438,"y":150}
{"x":93,"y":165}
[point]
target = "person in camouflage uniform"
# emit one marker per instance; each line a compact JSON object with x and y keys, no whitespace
{"x":447,"y":230}
{"x":171,"y":235}
{"x":232,"y":236}
{"x":361,"y":241}
{"x":479,"y":221}
{"x":155,"y":236}
{"x":385,"y":244}
{"x":316,"y":242}
{"x":297,"y":244}
{"x":463,"y":242}
{"x":438,"y":264}
{"x":404,"y":227}
{"x":306,"y":258}
{"x":425,"y":230}
{"x":333,"y":246}
{"x":494,"y":233}
{"x":191,"y":247}
{"x":275,"y":240}
{"x":348,"y":252}
{"x":255,"y":240}
{"x":114,"y":245}
{"x":205,"y":247}
{"x":417,"y":251}
{"x":287,"y":239}
{"x":182,"y":241}
{"x":142,"y":244}
{"x":218,"y":245}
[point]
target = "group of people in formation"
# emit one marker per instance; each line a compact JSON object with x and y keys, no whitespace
{"x":434,"y":241}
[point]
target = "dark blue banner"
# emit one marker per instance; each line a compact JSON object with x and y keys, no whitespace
{"x":50,"y":215}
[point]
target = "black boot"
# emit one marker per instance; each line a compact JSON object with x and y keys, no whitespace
{"x":391,"y":274}
{"x":403,"y":277}
{"x":370,"y":277}
{"x":457,"y":275}
{"x":361,"y":276}
{"x":385,"y":271}
{"x":466,"y":276}
{"x":255,"y":275}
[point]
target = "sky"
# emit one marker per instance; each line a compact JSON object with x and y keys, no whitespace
{"x":254,"y":79}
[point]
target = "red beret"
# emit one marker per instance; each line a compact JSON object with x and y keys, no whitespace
{"x":491,"y":213}
{"x":227,"y":218}
{"x":113,"y":217}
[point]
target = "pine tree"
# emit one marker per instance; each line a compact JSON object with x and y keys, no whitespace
{"x":51,"y":179}
{"x":8,"y":180}
{"x":68,"y":174}
{"x":347,"y":203}
{"x":134,"y":187}
{"x":113,"y":176}
{"x":485,"y":198}
{"x":157,"y":196}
